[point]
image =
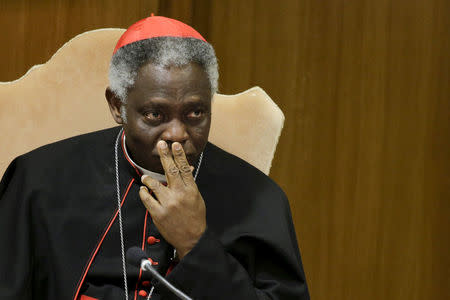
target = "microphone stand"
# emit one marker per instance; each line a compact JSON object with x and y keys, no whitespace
{"x":136,"y":256}
{"x":147,"y":266}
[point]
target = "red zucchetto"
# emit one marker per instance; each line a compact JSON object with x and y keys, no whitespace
{"x":156,"y":26}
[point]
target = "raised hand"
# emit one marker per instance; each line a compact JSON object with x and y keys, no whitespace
{"x":178,"y":211}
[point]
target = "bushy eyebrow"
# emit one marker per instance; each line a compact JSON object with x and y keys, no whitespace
{"x":152,"y":105}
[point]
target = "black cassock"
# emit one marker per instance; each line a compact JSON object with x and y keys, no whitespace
{"x":60,"y":235}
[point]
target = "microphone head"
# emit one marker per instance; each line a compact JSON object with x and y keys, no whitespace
{"x":135,"y":255}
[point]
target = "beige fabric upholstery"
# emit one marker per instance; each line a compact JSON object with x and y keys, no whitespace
{"x":65,"y":97}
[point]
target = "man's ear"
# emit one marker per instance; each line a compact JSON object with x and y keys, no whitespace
{"x":114,"y":105}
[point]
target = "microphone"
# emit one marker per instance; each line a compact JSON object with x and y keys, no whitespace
{"x":137,"y":257}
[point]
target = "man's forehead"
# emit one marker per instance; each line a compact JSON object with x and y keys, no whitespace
{"x":161,"y":101}
{"x":162,"y":74}
{"x":155,"y":80}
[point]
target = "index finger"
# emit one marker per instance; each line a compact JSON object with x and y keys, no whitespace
{"x":170,"y":168}
{"x":182,"y":163}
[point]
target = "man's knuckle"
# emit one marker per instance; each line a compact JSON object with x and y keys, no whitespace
{"x":154,"y":185}
{"x":173,"y":170}
{"x":162,"y":215}
{"x":191,"y":189}
{"x":171,"y":206}
{"x":185,"y":168}
{"x":148,"y":181}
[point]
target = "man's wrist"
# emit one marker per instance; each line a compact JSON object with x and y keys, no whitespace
{"x":182,"y":252}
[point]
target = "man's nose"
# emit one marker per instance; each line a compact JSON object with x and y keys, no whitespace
{"x":175,"y":132}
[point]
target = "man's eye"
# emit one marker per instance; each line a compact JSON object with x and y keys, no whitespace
{"x":195,"y":114}
{"x":153,"y":115}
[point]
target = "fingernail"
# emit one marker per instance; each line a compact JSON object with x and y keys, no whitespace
{"x":177,"y":146}
{"x":142,"y":187}
{"x":162,"y":144}
{"x":143,"y":177}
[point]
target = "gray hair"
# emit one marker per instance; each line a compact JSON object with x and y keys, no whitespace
{"x":161,"y":51}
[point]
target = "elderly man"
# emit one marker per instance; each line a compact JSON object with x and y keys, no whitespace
{"x":212,"y":224}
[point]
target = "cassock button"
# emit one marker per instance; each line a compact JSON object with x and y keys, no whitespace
{"x":152,"y":240}
{"x":143,"y":293}
{"x":154,"y":263}
{"x":146,"y":283}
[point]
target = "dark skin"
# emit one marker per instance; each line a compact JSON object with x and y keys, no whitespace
{"x":168,"y":120}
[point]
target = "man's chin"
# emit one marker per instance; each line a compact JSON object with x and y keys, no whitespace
{"x":154,"y":165}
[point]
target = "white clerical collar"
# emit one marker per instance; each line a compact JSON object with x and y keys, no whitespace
{"x":157,"y":176}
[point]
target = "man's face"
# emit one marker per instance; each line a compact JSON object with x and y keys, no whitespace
{"x":171,"y":104}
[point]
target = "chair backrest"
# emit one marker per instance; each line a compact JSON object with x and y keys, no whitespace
{"x":65,"y":97}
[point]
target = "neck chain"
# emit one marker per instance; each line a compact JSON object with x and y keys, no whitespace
{"x":122,"y":244}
